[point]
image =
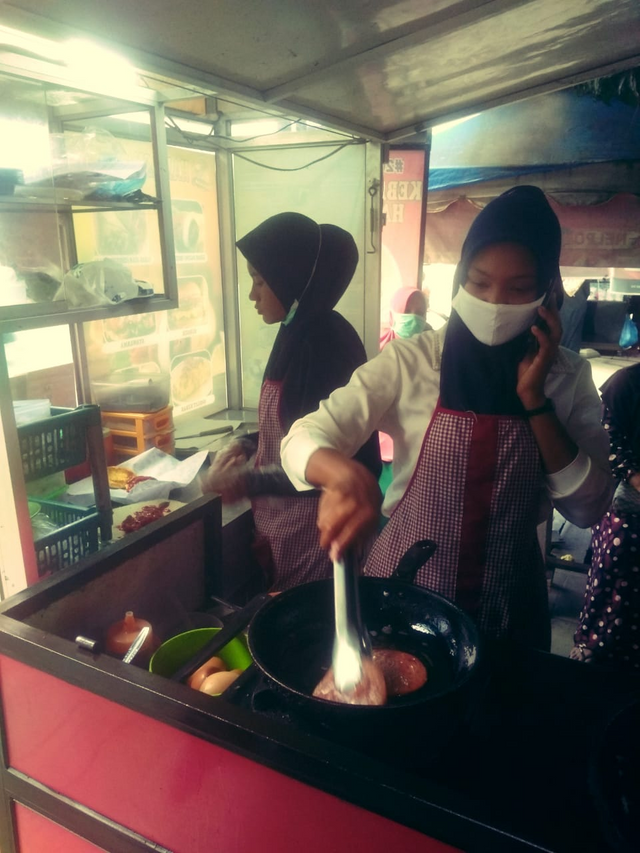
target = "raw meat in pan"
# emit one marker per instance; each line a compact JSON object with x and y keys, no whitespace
{"x":370,"y":691}
{"x":403,"y":673}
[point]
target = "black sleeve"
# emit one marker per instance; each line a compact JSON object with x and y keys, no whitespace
{"x":249,"y":443}
{"x":272,"y":480}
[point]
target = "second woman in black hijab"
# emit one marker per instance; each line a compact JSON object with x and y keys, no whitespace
{"x":299,"y":272}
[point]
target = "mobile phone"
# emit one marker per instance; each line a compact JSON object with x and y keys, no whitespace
{"x":539,"y":322}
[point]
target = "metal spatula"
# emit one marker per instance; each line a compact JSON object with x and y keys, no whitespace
{"x":353,"y":678}
{"x":351,"y":644}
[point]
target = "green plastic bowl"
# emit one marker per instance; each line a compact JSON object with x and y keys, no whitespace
{"x":179,"y":649}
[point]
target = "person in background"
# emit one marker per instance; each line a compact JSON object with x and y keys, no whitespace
{"x":407,"y":315}
{"x":609,"y":626}
{"x":299,"y":272}
{"x":491,"y":421}
{"x":573,"y":312}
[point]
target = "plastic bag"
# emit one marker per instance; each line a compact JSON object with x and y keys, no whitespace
{"x":90,"y":163}
{"x":13,"y":290}
{"x":42,"y":525}
{"x":629,"y":333}
{"x":103,"y":282}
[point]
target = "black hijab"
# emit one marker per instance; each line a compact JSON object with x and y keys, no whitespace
{"x":481,"y":378}
{"x":284,"y":250}
{"x":318,"y":350}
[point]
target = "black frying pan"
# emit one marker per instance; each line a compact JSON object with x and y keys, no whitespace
{"x":291,"y":638}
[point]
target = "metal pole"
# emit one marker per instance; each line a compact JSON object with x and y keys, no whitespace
{"x":228,"y":265}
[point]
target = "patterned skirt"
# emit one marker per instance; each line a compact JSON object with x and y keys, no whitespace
{"x":609,"y":627}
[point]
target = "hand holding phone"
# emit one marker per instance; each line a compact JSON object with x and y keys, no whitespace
{"x":542,"y":352}
{"x":548,"y":302}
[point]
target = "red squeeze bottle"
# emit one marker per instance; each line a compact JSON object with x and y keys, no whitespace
{"x":121,"y":635}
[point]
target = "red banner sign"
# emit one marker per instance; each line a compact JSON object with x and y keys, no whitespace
{"x":402,"y":190}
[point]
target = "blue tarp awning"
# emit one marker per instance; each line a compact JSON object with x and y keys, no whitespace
{"x":553,"y":131}
{"x":450,"y":178}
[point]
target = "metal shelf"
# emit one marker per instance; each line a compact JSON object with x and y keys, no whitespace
{"x":88,"y":205}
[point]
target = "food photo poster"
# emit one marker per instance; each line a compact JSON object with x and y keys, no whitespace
{"x":187,"y":343}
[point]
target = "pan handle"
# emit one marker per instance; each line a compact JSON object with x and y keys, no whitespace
{"x":235,"y":625}
{"x":414,"y":559}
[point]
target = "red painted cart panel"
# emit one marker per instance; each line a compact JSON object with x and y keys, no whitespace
{"x":174,"y":788}
{"x":38,"y":834}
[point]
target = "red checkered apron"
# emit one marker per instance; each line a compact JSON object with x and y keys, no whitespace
{"x":475,"y":492}
{"x":287,"y":525}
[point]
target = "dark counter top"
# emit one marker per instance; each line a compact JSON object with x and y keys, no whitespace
{"x":525,"y":753}
{"x":513,"y":776}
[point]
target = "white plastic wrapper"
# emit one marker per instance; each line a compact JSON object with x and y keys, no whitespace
{"x":167,"y":471}
{"x":104,"y":282}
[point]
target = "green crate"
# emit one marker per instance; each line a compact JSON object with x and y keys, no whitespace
{"x":79,"y":536}
{"x":56,"y":443}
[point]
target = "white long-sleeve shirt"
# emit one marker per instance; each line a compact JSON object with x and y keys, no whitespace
{"x":397,"y":392}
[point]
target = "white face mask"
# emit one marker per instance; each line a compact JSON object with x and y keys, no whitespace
{"x":494,"y":324}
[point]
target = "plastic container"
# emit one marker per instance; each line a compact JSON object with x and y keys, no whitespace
{"x":135,"y":432}
{"x":134,"y":389}
{"x":179,"y":649}
{"x":139,"y":424}
{"x":130,"y":445}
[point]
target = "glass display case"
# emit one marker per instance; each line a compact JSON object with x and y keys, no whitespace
{"x":83,"y":230}
{"x":85,"y":234}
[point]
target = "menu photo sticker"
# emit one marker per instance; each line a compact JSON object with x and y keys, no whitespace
{"x":130,"y":330}
{"x":191,"y":380}
{"x":188,"y":230}
{"x":122,"y":234}
{"x":192,"y":312}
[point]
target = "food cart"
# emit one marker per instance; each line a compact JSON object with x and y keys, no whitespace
{"x":101,"y":754}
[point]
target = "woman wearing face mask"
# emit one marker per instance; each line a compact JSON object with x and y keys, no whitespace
{"x":408,"y":315}
{"x":490,"y":419}
{"x":299,"y":271}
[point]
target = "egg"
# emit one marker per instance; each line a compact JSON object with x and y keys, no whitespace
{"x":214,"y":664}
{"x":219,"y":681}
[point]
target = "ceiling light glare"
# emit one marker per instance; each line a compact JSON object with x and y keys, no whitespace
{"x":97,"y":66}
{"x":28,"y":44}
